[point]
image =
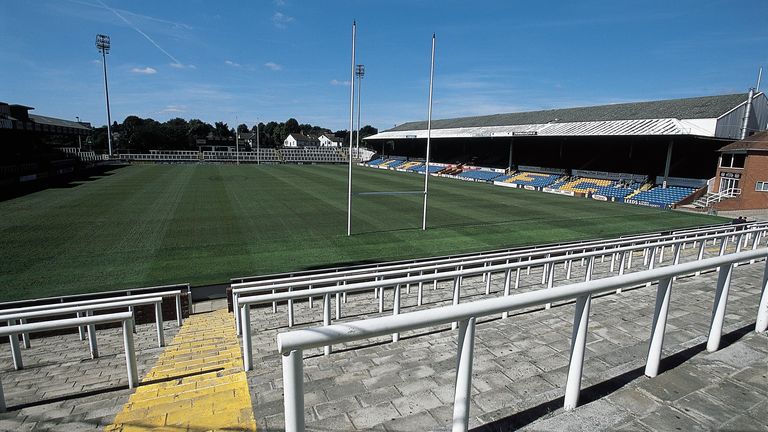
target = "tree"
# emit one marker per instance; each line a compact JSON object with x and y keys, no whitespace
{"x":367,"y":131}
{"x":221,"y":130}
{"x":242,"y":128}
{"x":291,"y":126}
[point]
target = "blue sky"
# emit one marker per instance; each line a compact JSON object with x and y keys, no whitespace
{"x":275,"y":59}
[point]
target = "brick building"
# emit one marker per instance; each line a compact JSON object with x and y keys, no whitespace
{"x":743,"y":168}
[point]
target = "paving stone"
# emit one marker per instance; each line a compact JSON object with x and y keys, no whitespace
{"x":336,"y":407}
{"x":416,"y":402}
{"x":418,"y":422}
{"x":368,"y":417}
{"x":668,"y":418}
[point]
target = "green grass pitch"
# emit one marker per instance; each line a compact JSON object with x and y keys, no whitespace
{"x":154,"y":224}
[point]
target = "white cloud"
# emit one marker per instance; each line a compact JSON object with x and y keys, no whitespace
{"x":337,"y":82}
{"x":174,"y":109}
{"x":231,"y":63}
{"x":279,"y":2}
{"x":182,"y":66}
{"x":273,"y":66}
{"x":144,"y":71}
{"x":281,"y":20}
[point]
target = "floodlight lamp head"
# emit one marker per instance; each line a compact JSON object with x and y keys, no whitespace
{"x":102,"y":43}
{"x":360,"y":70}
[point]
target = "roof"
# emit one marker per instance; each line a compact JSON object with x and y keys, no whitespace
{"x":756,"y":142}
{"x":689,"y":108}
{"x":50,"y":121}
{"x":332,"y":137}
{"x":300,"y":137}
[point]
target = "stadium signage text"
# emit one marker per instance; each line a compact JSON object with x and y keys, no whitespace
{"x":525,"y":133}
{"x":600,"y":197}
{"x":558,"y":191}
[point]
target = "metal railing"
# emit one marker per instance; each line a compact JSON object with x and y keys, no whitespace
{"x":292,"y":344}
{"x":87,"y":310}
{"x":126,"y":318}
{"x":716,"y":197}
{"x":310,"y":282}
{"x":653,"y":251}
{"x":176,"y":294}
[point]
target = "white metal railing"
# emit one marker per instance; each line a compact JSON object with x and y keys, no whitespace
{"x":244,"y":304}
{"x":337,"y":277}
{"x":86,"y":310}
{"x":126,"y":318}
{"x":175,"y":293}
{"x":292,"y":344}
{"x":716,"y":197}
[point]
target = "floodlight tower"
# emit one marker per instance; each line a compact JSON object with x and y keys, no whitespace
{"x":359,"y":73}
{"x":103,"y":45}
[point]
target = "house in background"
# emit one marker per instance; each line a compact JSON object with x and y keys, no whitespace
{"x":299,"y":140}
{"x":329,"y":140}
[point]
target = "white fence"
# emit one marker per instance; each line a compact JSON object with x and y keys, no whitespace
{"x":291,"y":345}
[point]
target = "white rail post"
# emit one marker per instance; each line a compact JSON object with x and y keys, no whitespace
{"x":517,"y":278}
{"x":663,"y":294}
{"x":179,"y":318}
{"x":613,"y":262}
{"x":236,"y":310}
{"x":700,"y":256}
{"x":434,"y":284}
{"x":290,"y":310}
{"x":159,"y":324}
{"x":621,"y":268}
{"x":645,"y":255}
{"x":723,"y":245}
{"x":456,"y":297}
{"x":344,"y":294}
{"x":718,"y":309}
{"x":274,"y":304}
{"x":487,"y":282}
{"x":738,"y":246}
{"x":408,"y":285}
{"x":568,"y":270}
{"x":761,"y":324}
{"x":381,"y":299}
{"x":661,"y":253}
{"x":485,"y":264}
{"x":327,"y":319}
{"x":396,"y":311}
{"x":130,"y":353}
{"x":590,"y":266}
{"x":507,"y":282}
{"x":629,"y":259}
{"x":293,"y":391}
{"x":528,"y":270}
{"x":420,"y":291}
{"x":81,"y":329}
{"x":94,"y":347}
{"x":545,"y":271}
{"x":578,"y":345}
{"x":338,"y":305}
{"x":245,"y":323}
{"x":550,"y":281}
{"x":133,"y":317}
{"x":676,"y":260}
{"x":25,"y":336}
{"x":18,"y":364}
{"x":754,"y":245}
{"x":464,"y":357}
{"x":311,"y":303}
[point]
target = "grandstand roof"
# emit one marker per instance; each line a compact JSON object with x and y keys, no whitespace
{"x":690,"y":116}
{"x":50,"y":121}
{"x":756,"y":142}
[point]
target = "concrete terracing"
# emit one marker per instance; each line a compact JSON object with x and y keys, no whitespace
{"x":520,"y":367}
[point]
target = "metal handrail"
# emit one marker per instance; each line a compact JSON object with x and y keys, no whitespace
{"x":175,"y":293}
{"x":292,"y":344}
{"x":86,"y":310}
{"x":244,"y":303}
{"x":240,"y":286}
{"x":127,"y":322}
{"x":344,"y":277}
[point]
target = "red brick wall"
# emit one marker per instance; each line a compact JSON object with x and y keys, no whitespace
{"x":755,"y":169}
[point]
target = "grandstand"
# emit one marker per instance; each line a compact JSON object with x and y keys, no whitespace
{"x":667,"y":138}
{"x":309,"y":155}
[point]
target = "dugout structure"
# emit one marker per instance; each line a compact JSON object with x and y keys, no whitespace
{"x":667,"y":138}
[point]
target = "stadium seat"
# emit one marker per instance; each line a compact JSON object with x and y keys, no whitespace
{"x":524,"y":178}
{"x":665,"y":197}
{"x":480,"y":175}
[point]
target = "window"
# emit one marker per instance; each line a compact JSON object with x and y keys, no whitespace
{"x":738,"y":160}
{"x":725,"y":160}
{"x":733,"y":160}
{"x":761,"y":186}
